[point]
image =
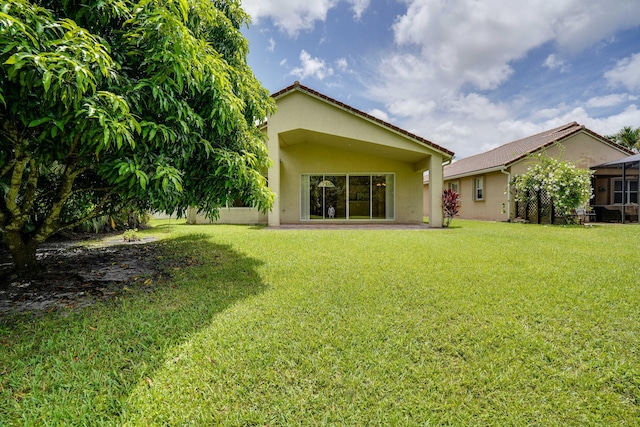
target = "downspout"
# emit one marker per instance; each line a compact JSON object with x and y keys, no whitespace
{"x":447,"y":163}
{"x":504,"y":171}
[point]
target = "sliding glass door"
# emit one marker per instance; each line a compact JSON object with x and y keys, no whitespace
{"x":382,"y":200}
{"x":347,"y":197}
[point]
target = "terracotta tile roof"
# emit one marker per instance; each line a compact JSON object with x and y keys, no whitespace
{"x":509,"y":153}
{"x":299,"y":87}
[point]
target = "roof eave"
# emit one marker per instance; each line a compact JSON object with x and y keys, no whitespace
{"x":297,"y":86}
{"x":476,"y":172}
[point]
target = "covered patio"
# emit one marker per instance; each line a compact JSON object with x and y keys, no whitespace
{"x":617,"y":190}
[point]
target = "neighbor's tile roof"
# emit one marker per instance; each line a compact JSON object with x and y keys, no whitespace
{"x":297,"y":86}
{"x":507,"y":154}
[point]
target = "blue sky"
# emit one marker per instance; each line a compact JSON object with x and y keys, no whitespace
{"x":468,"y":75}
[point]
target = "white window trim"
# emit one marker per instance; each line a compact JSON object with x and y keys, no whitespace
{"x":482,"y":188}
{"x":626,"y":192}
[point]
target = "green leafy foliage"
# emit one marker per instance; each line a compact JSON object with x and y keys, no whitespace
{"x":627,"y":137}
{"x":143,"y":105}
{"x":131,"y":235}
{"x":568,"y":187}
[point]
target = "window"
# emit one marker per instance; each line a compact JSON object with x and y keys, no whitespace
{"x":347,"y":197}
{"x":630,"y":194}
{"x":478,"y":188}
{"x":454,"y":185}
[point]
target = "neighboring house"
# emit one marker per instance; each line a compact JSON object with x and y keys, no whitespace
{"x":617,"y":190}
{"x":335,"y":164}
{"x":483,"y":180}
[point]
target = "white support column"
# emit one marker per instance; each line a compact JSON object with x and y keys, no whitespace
{"x":274,"y":179}
{"x":435,"y":191}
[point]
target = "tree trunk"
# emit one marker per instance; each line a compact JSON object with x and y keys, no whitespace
{"x":23,"y":252}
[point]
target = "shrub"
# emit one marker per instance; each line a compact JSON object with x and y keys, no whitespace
{"x":568,"y":187}
{"x":450,"y":205}
{"x":131,"y":235}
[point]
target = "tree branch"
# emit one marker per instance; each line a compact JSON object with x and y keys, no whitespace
{"x":7,"y":167}
{"x":96,"y":189}
{"x":52,"y":219}
{"x":96,"y":212}
{"x":32,"y":187}
{"x":19,"y":217}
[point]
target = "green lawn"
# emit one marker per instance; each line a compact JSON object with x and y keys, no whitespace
{"x":482,"y":324}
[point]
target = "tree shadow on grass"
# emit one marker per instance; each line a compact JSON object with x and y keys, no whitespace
{"x":80,"y":367}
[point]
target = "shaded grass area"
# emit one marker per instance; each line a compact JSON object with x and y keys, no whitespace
{"x":481,"y":324}
{"x":79,"y":368}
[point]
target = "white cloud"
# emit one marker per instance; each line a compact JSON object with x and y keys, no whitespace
{"x":358,"y":7}
{"x":449,"y":55}
{"x":411,"y":107}
{"x":469,"y":41}
{"x":511,"y":130}
{"x":477,"y":107}
{"x":475,"y":42}
{"x":626,"y":73}
{"x":271,"y":46}
{"x":610,"y":100}
{"x":290,"y":16}
{"x":342,"y":64}
{"x":588,"y":22}
{"x":604,"y":126}
{"x":382,"y":115}
{"x":293,"y":16}
{"x":547,"y":113}
{"x":311,"y":67}
{"x":612,"y":124}
{"x":553,"y":62}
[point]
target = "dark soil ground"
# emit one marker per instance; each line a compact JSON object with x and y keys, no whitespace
{"x":75,"y":273}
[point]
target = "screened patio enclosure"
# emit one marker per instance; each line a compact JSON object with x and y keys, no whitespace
{"x":616,"y":188}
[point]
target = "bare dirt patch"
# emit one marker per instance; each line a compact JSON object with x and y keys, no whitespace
{"x":77,"y":272}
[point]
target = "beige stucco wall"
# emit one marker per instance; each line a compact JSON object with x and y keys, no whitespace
{"x":301,"y":111}
{"x":489,"y":209}
{"x":320,"y":159}
{"x":247,"y":216}
{"x":495,"y":199}
{"x":308,"y":135}
{"x":582,"y":149}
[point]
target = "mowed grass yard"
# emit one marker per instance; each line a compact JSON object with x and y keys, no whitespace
{"x":486,"y":324}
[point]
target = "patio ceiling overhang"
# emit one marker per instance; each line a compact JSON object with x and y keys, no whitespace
{"x":415,"y":154}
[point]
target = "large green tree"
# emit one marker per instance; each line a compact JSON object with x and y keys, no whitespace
{"x":112,"y":104}
{"x":627,"y":137}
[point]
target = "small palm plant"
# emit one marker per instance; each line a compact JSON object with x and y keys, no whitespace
{"x":450,"y":205}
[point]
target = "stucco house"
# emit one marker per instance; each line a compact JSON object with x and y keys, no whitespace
{"x":333,"y":163}
{"x":483,"y":180}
